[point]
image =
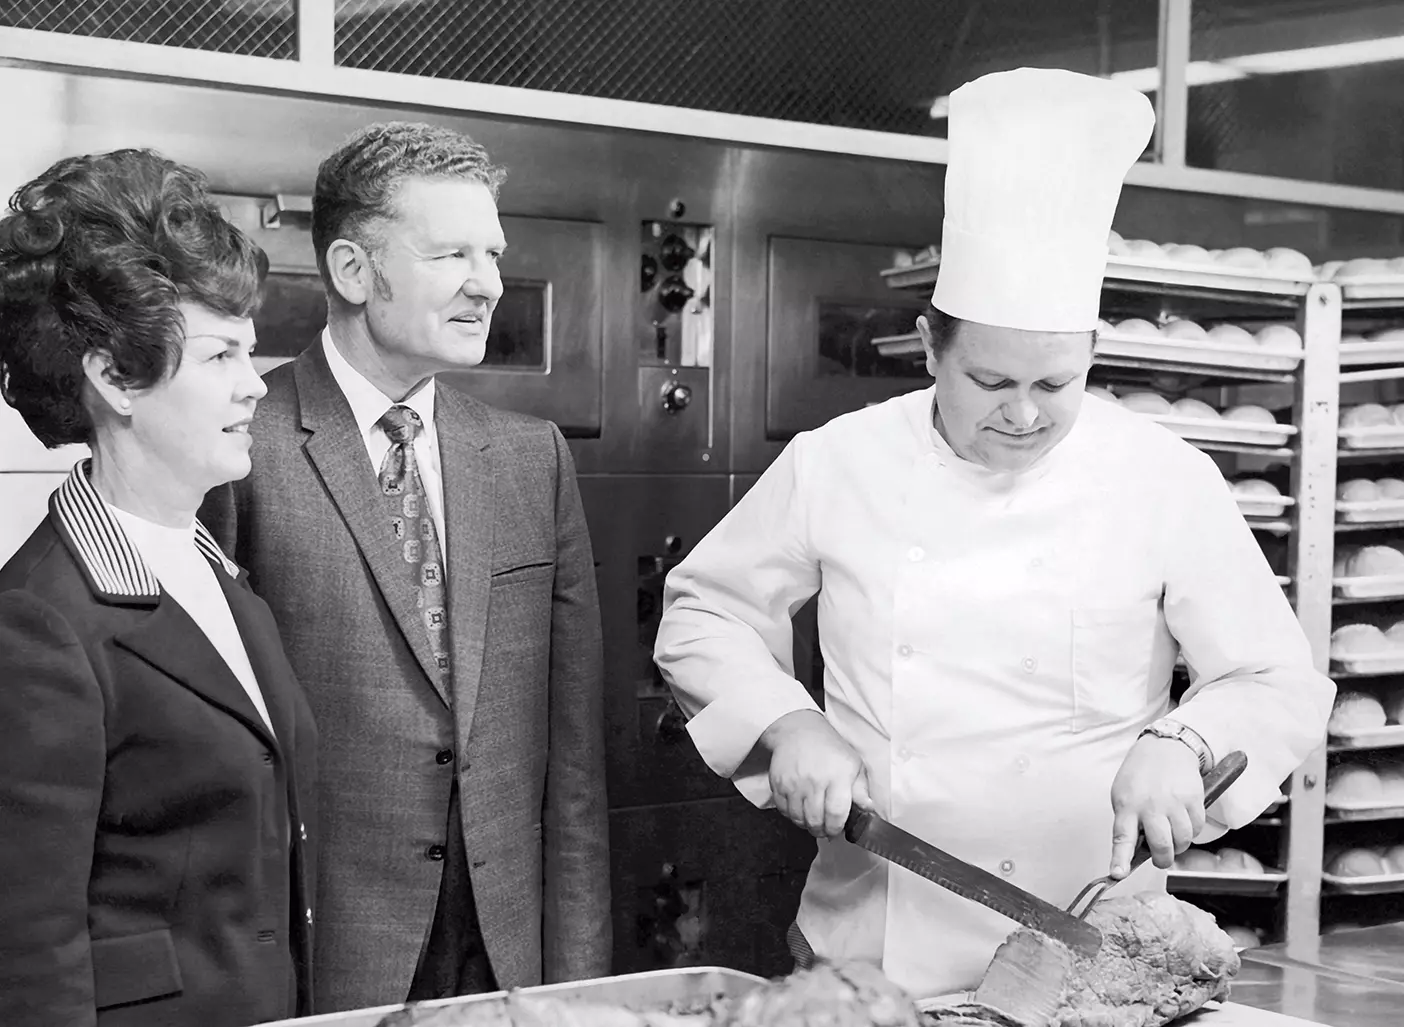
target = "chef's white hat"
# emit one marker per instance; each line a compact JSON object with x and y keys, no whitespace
{"x":1037,"y":159}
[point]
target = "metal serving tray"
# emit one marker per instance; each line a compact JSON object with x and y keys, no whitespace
{"x":1369,"y":738}
{"x":1380,"y":436}
{"x":1375,"y":884}
{"x":654,"y":989}
{"x":1203,"y":353}
{"x":1370,"y":512}
{"x":1198,"y":882}
{"x":1222,"y":430}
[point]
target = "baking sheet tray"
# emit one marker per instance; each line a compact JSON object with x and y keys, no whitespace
{"x":1220,"y":883}
{"x":1241,"y":432}
{"x":1209,"y":276}
{"x":1383,"y":436}
{"x":1376,"y":884}
{"x":1359,"y":810}
{"x":921,"y":273}
{"x":1377,"y":586}
{"x":1262,"y":506}
{"x":653,"y":989}
{"x":1372,"y":287}
{"x":1369,"y":738}
{"x":1206,"y":354}
{"x":1386,"y":661}
{"x":1357,"y":354}
{"x":1373,"y":511}
{"x":908,"y":345}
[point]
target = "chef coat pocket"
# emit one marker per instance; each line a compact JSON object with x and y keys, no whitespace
{"x":1113,"y":649}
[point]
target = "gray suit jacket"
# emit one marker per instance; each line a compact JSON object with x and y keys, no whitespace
{"x":526,"y":722}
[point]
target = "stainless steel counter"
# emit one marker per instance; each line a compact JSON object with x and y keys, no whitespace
{"x":1347,"y":989}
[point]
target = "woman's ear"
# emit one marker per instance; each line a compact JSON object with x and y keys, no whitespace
{"x":102,"y":377}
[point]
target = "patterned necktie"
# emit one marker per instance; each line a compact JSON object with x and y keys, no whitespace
{"x":413,"y":526}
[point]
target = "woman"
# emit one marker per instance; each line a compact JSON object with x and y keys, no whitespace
{"x":158,"y":754}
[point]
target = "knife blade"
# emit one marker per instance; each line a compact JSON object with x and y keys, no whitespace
{"x":871,"y":832}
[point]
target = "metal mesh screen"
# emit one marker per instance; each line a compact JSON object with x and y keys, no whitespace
{"x":873,"y":64}
{"x":261,"y":28}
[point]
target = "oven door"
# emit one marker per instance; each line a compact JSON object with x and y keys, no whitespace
{"x":828,"y":303}
{"x":545,"y":347}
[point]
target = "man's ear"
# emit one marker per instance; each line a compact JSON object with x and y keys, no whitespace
{"x":924,"y":330}
{"x":349,"y":267}
{"x":102,"y":376}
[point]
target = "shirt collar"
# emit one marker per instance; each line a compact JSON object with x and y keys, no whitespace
{"x":114,"y":569}
{"x":368,"y":403}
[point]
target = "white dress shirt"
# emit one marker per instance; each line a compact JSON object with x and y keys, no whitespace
{"x":189,"y":578}
{"x":368,"y":405}
{"x":993,"y":644}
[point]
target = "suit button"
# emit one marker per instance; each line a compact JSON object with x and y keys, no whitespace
{"x":309,"y":916}
{"x":434,"y":852}
{"x":444,"y":756}
{"x":302,"y":830}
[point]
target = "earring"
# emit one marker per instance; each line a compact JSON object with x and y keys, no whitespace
{"x":126,"y":406}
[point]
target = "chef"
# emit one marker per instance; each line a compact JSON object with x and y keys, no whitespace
{"x":1006,"y":569}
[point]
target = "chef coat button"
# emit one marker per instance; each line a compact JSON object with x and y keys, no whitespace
{"x":916,"y":554}
{"x":1021,"y":764}
{"x":904,"y":650}
{"x":1030,"y":664}
{"x":1007,"y":867}
{"x":434,"y":853}
{"x":904,"y":754}
{"x":1036,"y":562}
{"x":443,"y":756}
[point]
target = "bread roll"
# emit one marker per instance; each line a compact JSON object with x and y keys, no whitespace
{"x":1376,"y":562}
{"x":1146,"y":402}
{"x":1353,"y":783}
{"x":1197,"y":861}
{"x":1357,"y":490}
{"x":1396,"y":413}
{"x":1355,"y":711}
{"x":1115,"y":244}
{"x":1194,"y":408}
{"x":1256,"y":487}
{"x":1103,"y":326}
{"x":1143,"y":248}
{"x":1102,"y":392}
{"x":1356,"y":863}
{"x":1187,"y":253}
{"x":1236,"y":861}
{"x":1283,"y":258}
{"x":1243,"y":937}
{"x":1393,"y":859}
{"x":1385,"y":335}
{"x":1342,"y":560}
{"x":1242,"y":256}
{"x":1393,"y":706}
{"x":1394,"y":637}
{"x":1138,"y":327}
{"x":1186,"y":330}
{"x":1361,"y":267}
{"x":1327,"y":271}
{"x":1250,"y":413}
{"x":1357,"y":640}
{"x":1230,"y":335}
{"x":1392,"y":784}
{"x":1366,"y":415}
{"x":1278,"y":337}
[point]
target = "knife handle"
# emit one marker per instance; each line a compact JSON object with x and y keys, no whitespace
{"x":858,"y":820}
{"x":1216,"y":782}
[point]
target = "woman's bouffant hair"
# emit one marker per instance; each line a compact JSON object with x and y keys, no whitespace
{"x":356,"y":184}
{"x":95,"y":255}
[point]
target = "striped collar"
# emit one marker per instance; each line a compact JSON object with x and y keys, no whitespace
{"x":114,"y":569}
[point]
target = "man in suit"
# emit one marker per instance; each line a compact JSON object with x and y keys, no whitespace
{"x":427,"y":559}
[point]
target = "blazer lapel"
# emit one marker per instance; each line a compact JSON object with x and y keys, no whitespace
{"x":274,"y":676}
{"x":339,"y":454}
{"x":173,"y":643}
{"x":468,"y":514}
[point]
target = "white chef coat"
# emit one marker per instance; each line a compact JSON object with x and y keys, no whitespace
{"x":993,"y":644}
{"x":368,"y":405}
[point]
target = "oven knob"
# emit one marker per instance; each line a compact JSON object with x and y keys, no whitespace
{"x":676,"y":397}
{"x":674,"y":294}
{"x":648,"y":274}
{"x":674,"y":254}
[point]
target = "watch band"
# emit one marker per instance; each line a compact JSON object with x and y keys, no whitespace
{"x":1168,"y":727}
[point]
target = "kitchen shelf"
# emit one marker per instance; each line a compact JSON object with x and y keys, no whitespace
{"x":1378,"y":884}
{"x":1387,"y":737}
{"x":1217,"y":883}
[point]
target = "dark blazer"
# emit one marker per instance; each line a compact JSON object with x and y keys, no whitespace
{"x":155,"y":862}
{"x":524,"y":733}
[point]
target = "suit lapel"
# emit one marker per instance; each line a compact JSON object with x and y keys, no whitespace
{"x":274,"y":676}
{"x":338,"y":451}
{"x":173,"y":643}
{"x":468,"y":515}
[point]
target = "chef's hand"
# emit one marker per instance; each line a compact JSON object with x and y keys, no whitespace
{"x":815,"y":776}
{"x":1158,"y":790}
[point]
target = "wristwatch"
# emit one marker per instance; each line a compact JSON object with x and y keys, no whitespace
{"x":1168,"y":727}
